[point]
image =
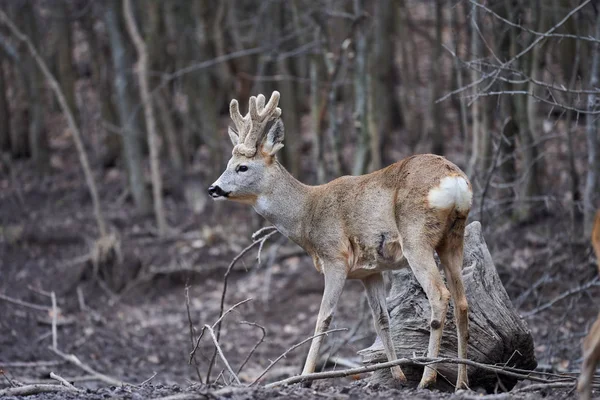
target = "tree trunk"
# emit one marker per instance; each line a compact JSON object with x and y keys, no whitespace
{"x":476,"y":107}
{"x":102,"y":76}
{"x":593,"y":161}
{"x":153,"y":140}
{"x":5,"y":133}
{"x":497,"y":333}
{"x":437,"y":133}
{"x":384,"y":104}
{"x":315,"y":109}
{"x":38,"y":141}
{"x":64,"y":58}
{"x":361,"y":97}
{"x":533,"y":165}
{"x":134,"y":157}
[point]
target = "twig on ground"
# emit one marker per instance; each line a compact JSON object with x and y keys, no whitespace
{"x":258,"y":237}
{"x":292,"y":349}
{"x":183,"y":396}
{"x":262,"y":339}
{"x":420,"y":361}
{"x":64,"y":382}
{"x":54,"y":317}
{"x":24,"y":303}
{"x":214,"y":338}
{"x":75,"y":361}
{"x":193,"y":353}
{"x":28,"y":390}
{"x":29,"y":364}
{"x":149,"y":379}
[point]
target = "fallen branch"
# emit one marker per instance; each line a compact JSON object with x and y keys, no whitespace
{"x":24,"y":303}
{"x":420,"y":361}
{"x":64,"y":382}
{"x":29,"y":390}
{"x":29,"y":364}
{"x":218,"y":348}
{"x":291,"y":349}
{"x":75,"y":361}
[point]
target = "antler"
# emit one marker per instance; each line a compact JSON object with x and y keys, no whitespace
{"x":251,"y":126}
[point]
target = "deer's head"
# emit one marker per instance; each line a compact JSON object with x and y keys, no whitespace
{"x":256,"y":138}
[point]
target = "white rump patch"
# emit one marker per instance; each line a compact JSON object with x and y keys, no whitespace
{"x":453,"y":191}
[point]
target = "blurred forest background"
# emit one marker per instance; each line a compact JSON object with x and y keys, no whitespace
{"x":113,"y":119}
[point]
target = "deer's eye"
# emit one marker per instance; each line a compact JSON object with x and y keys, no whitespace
{"x":241,"y":168}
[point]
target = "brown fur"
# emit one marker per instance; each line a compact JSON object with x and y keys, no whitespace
{"x":591,"y":344}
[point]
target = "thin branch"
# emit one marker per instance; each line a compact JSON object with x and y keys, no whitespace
{"x":496,"y":73}
{"x":218,"y":348}
{"x":294,"y":347}
{"x":562,"y":296}
{"x":54,"y":317}
{"x":75,"y":361}
{"x":214,"y":325}
{"x":546,"y":34}
{"x":260,"y":341}
{"x":192,"y":329}
{"x":24,"y":303}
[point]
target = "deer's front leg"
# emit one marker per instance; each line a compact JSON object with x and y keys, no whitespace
{"x":335,"y":277}
{"x":375,"y":289}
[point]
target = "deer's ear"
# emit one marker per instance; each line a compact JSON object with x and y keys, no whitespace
{"x":274,"y":139}
{"x":233,"y":135}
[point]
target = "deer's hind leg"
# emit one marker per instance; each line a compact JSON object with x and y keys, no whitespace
{"x":375,"y":289}
{"x":419,"y":255}
{"x":451,"y":256}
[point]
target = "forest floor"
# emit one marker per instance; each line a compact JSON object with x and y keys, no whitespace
{"x":142,"y":335}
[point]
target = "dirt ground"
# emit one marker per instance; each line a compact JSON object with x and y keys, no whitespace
{"x":47,"y":232}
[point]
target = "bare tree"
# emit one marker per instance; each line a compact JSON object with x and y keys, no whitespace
{"x":38,"y":141}
{"x":361,"y":95}
{"x":142,"y":72}
{"x":5,"y":134}
{"x":133,"y":153}
{"x":437,"y":133}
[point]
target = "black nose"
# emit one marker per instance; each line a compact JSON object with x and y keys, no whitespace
{"x":216,"y":191}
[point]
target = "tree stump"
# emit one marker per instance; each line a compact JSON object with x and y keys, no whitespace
{"x":497,"y":333}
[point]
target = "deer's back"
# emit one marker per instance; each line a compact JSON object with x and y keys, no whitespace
{"x":361,"y":219}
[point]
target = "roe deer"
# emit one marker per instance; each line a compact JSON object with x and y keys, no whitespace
{"x":591,"y":344}
{"x":356,"y":227}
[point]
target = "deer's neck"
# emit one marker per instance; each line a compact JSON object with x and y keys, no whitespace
{"x":284,"y":203}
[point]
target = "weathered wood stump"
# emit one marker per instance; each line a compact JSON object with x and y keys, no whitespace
{"x":497,"y":333}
